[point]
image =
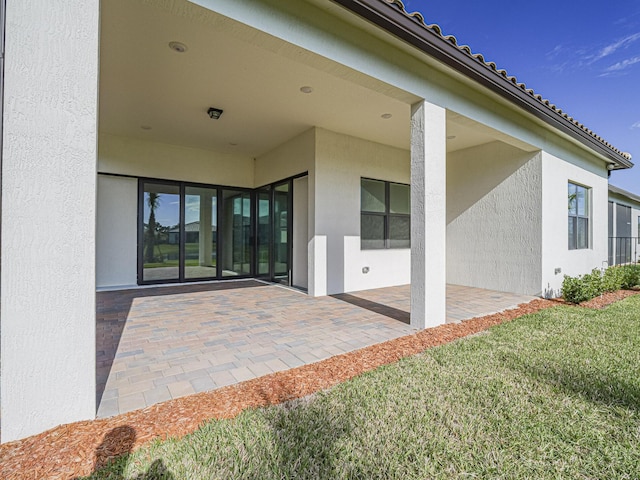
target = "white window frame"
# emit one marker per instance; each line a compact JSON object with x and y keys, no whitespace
{"x":575,"y":216}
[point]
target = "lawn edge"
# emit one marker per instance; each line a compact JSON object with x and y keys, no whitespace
{"x":70,"y":450}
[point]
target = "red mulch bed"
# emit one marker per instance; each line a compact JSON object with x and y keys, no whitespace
{"x":76,"y":449}
{"x":608,"y":298}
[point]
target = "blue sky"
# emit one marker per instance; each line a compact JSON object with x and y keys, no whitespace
{"x":584,"y":56}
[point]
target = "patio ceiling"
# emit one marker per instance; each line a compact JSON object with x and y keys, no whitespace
{"x":149,"y":91}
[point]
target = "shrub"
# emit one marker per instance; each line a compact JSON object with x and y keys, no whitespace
{"x":594,"y":285}
{"x":585,"y":287}
{"x":613,"y":279}
{"x":573,"y":289}
{"x":630,"y":276}
{"x":582,"y":288}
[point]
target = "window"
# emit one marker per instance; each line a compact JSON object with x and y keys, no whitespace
{"x":623,"y":234}
{"x":623,"y":221}
{"x":578,"y":217}
{"x":385,"y":220}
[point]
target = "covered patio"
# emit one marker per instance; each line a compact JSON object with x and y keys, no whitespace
{"x":155,"y":344}
{"x":308,"y":143}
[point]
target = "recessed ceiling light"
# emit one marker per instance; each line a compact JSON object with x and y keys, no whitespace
{"x":145,"y":127}
{"x":386,"y":116}
{"x":306,"y":89}
{"x":214,"y":113}
{"x":178,"y":47}
{"x":450,"y":137}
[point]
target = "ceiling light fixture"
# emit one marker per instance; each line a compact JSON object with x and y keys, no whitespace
{"x":214,"y":113}
{"x":306,"y":89}
{"x":386,"y":116}
{"x":178,"y":47}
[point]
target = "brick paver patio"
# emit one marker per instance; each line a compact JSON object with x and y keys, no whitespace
{"x":155,"y":344}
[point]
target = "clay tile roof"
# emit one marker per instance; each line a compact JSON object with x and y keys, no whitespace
{"x":621,"y":159}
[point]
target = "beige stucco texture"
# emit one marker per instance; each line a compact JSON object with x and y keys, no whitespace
{"x":494,"y":218}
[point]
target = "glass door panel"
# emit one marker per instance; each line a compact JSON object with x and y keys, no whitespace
{"x":192,"y":232}
{"x":160,"y":232}
{"x":201,"y":232}
{"x":263,"y":243}
{"x":236,"y":233}
{"x":281,"y":233}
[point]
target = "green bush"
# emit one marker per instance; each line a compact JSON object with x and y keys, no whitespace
{"x":630,"y":276}
{"x":613,"y":279}
{"x":594,"y":285}
{"x":585,"y":287}
{"x":574,"y":290}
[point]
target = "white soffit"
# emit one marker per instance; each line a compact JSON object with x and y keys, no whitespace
{"x":254,"y":77}
{"x":145,"y":83}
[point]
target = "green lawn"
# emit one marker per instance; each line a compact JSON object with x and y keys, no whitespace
{"x":551,"y":395}
{"x":167,"y":250}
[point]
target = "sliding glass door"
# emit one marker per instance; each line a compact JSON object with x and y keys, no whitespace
{"x":192,"y":232}
{"x":263,"y":233}
{"x":160,"y":232}
{"x":273,"y":232}
{"x":200,"y":232}
{"x":236,"y":233}
{"x":282,"y":233}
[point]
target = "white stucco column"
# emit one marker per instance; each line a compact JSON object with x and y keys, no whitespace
{"x":48,"y":215}
{"x":317,"y":246}
{"x":428,"y":215}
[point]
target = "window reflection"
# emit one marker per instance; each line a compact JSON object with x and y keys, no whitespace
{"x":201,"y":232}
{"x":236,"y":233}
{"x":160,"y":236}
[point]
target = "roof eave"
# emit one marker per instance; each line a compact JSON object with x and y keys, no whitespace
{"x":392,"y":19}
{"x":624,"y":193}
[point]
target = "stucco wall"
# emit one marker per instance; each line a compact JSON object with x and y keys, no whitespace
{"x":291,"y":158}
{"x":341,"y":161}
{"x":494,"y":218}
{"x":48,"y":215}
{"x":556,"y":173}
{"x":128,"y":156}
{"x":116,"y":252}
